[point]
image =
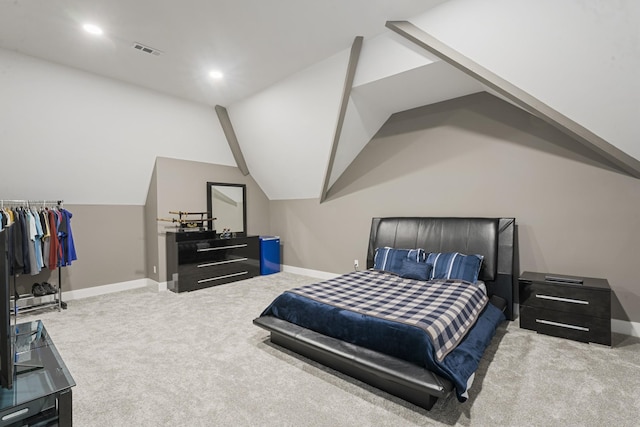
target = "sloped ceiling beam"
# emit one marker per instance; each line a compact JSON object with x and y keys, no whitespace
{"x":623,"y":161}
{"x":232,"y":139}
{"x":354,"y":55}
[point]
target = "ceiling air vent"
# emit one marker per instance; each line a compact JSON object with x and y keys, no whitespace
{"x":147,"y":49}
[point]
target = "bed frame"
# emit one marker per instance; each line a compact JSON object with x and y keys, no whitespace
{"x":494,"y":238}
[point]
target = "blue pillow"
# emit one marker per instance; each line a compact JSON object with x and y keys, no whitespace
{"x":390,"y":259}
{"x":454,"y":265}
{"x":411,"y":269}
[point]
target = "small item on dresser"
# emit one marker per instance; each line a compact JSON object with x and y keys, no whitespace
{"x":562,"y":279}
{"x":188,"y":224}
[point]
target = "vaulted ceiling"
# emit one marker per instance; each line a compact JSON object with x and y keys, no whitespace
{"x":254,"y":43}
{"x":284,"y":64}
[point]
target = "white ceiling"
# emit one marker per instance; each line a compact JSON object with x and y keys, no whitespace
{"x":284,"y":62}
{"x":255,"y":43}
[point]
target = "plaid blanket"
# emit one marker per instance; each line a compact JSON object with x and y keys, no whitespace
{"x":444,"y":309}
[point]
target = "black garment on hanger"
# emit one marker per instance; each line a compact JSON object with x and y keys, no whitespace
{"x":25,"y":242}
{"x":17,"y":261}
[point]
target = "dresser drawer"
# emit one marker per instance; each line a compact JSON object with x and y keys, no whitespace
{"x":566,"y":325}
{"x":200,"y":252}
{"x":190,"y":281}
{"x":228,"y":262}
{"x":213,"y":272}
{"x":214,"y":269}
{"x":569,"y":299}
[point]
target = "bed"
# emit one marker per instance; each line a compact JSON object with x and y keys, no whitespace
{"x":407,"y":355}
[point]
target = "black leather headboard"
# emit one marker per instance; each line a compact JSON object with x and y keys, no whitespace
{"x":494,"y":238}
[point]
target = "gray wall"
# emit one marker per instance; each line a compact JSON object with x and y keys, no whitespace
{"x":181,"y":185}
{"x":478,"y":156}
{"x":475,"y":156}
{"x":119,"y":243}
{"x":110,"y":245}
{"x":151,"y":227}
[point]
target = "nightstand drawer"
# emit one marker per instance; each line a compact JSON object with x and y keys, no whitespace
{"x":564,"y":325}
{"x":568,"y":299}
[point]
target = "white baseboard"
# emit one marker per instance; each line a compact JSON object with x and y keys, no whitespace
{"x":625,"y":327}
{"x":311,"y":273}
{"x":107,"y":289}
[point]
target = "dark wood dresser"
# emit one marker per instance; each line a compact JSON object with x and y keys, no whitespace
{"x":200,"y":259}
{"x":577,"y":311}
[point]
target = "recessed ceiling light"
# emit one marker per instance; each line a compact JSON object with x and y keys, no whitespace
{"x":92,"y":29}
{"x":215,"y":74}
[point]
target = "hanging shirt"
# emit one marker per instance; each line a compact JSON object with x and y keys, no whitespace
{"x":22,"y":217}
{"x":17,"y":261}
{"x":55,"y":251}
{"x":38,"y":240}
{"x":46,"y":238}
{"x":32,"y":235}
{"x":44,"y":223}
{"x":10,"y":216}
{"x":66,"y":238}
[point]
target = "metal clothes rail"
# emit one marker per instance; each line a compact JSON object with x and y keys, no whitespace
{"x":38,"y":304}
{"x":31,"y":203}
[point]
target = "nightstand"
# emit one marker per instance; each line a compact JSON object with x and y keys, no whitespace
{"x":561,"y":306}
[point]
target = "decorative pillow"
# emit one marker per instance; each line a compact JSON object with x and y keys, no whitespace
{"x":454,"y":265}
{"x":411,"y":269}
{"x":390,"y":259}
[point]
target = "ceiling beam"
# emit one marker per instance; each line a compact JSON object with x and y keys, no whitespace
{"x":232,"y":139}
{"x":617,"y":157}
{"x":356,"y":47}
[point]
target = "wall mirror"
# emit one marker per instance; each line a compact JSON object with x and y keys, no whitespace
{"x":228,"y":204}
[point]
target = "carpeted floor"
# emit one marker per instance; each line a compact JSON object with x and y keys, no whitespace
{"x":148,"y":358}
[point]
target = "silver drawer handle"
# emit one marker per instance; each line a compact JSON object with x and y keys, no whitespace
{"x":575,"y":301}
{"x":222,"y":277}
{"x":562,"y":325}
{"x":209,"y":264}
{"x":15,"y":414}
{"x":222,"y":247}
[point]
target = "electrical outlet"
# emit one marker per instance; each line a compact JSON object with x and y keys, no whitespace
{"x":154,"y":269}
{"x":355,"y":264}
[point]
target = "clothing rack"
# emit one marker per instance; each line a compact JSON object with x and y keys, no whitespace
{"x":57,"y":302}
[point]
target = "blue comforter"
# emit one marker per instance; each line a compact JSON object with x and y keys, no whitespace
{"x":396,"y":339}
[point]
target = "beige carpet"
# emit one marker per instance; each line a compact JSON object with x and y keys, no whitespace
{"x":146,"y":358}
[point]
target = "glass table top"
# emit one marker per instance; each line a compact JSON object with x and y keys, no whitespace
{"x":39,"y":370}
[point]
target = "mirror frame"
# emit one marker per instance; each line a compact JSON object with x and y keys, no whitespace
{"x":210,"y":214}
